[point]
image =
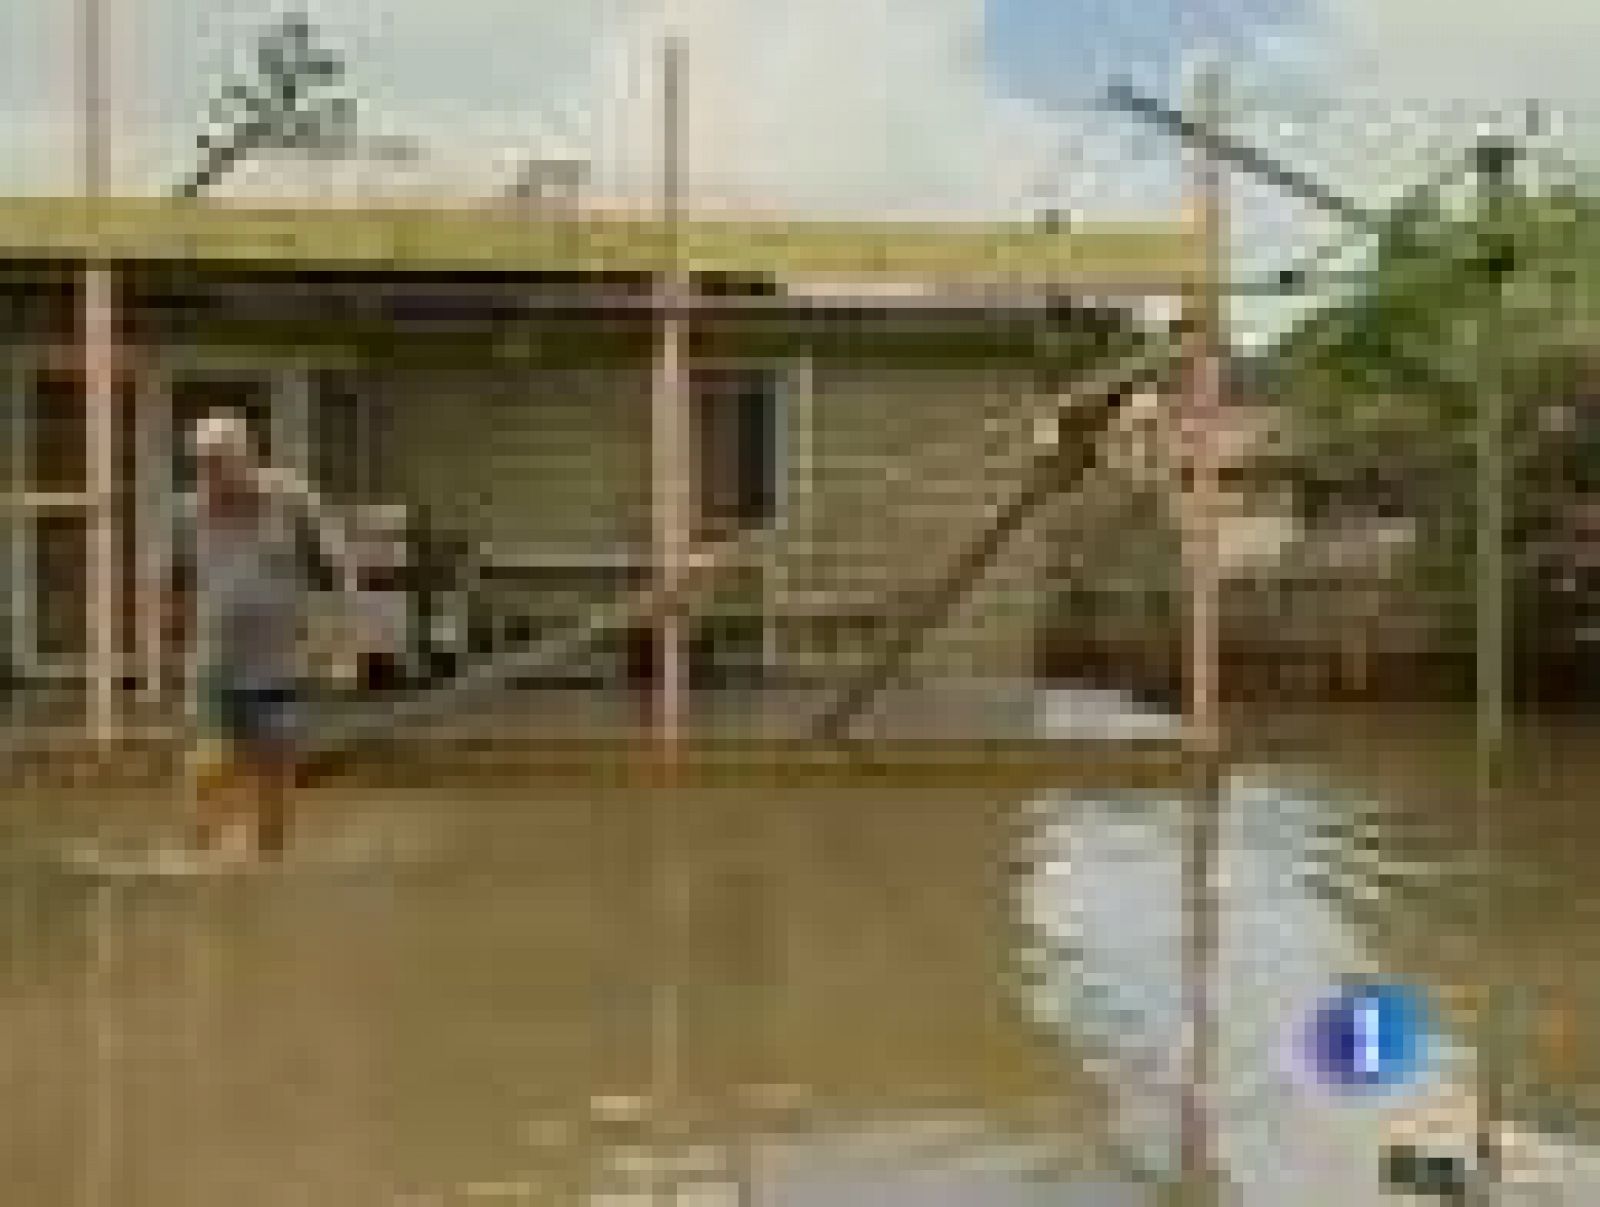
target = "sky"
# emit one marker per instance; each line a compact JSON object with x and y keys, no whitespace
{"x":977,"y":108}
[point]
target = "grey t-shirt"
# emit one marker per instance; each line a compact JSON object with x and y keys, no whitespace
{"x":249,"y":576}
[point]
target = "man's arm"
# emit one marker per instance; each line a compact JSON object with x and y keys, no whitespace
{"x":334,"y":548}
{"x":309,"y":509}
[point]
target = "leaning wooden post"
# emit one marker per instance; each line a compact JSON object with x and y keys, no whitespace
{"x":671,"y":445}
{"x":97,"y":298}
{"x":1202,"y":416}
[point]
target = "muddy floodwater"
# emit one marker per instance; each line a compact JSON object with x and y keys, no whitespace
{"x":460,"y":994}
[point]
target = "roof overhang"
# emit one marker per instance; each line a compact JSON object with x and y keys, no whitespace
{"x":1118,"y":259}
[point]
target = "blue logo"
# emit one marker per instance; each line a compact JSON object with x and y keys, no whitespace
{"x":1370,"y":1037}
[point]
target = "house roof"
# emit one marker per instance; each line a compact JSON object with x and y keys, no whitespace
{"x":396,"y":238}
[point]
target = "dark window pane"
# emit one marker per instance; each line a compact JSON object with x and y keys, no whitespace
{"x":57,"y":453}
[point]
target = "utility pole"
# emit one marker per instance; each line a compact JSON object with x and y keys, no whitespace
{"x":1492,"y":163}
{"x":1201,"y":418}
{"x":98,"y":321}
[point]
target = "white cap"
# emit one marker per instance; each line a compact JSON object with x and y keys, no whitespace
{"x":221,"y":432}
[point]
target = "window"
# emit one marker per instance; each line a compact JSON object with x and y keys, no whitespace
{"x":56,"y":441}
{"x":736,"y":430}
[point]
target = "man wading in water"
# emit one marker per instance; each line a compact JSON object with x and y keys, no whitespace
{"x":240,"y":579}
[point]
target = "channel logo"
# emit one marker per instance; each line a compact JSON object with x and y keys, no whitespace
{"x":1369,"y":1037}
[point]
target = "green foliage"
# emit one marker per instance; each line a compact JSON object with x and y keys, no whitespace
{"x":1388,"y":385}
{"x":1404,"y":361}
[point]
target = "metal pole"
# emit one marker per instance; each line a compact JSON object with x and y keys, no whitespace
{"x":671,"y":444}
{"x":98,"y":318}
{"x":1491,"y":606}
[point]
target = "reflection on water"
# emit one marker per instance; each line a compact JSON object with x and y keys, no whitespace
{"x":570,"y":998}
{"x":1107,"y":901}
{"x":1314,"y":883}
{"x":875,"y":996}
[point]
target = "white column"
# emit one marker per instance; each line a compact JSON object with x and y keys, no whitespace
{"x":672,"y":456}
{"x":100,"y":397}
{"x":98,"y":319}
{"x":153,"y":467}
{"x":794,"y":473}
{"x":672,"y":441}
{"x":20,"y":521}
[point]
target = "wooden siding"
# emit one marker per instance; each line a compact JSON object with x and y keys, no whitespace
{"x":555,"y":459}
{"x":906,"y":468}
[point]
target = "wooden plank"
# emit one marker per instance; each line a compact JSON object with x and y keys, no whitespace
{"x":152,"y":229}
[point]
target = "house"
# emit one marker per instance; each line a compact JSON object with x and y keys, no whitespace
{"x":871,"y":389}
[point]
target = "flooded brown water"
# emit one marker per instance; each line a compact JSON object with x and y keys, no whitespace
{"x":464,"y":995}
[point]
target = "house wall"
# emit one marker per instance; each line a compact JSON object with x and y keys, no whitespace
{"x":552,"y":459}
{"x":889,"y":469}
{"x":903,"y":467}
{"x":887,"y":473}
{"x":548,"y":462}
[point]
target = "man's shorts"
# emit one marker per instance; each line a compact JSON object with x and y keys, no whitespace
{"x":253,"y":718}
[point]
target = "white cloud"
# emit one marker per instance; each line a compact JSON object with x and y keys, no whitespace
{"x":1376,"y":96}
{"x":1466,"y":50}
{"x":861,"y":104}
{"x":1406,"y":86}
{"x":830,"y":104}
{"x":37,"y":153}
{"x":853,"y":104}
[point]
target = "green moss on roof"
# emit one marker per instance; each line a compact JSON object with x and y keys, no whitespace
{"x":35,"y":228}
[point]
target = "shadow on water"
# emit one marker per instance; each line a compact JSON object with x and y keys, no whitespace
{"x":873,"y":996}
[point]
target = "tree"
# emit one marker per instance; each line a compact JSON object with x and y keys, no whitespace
{"x":1383,"y":388}
{"x":294,"y":100}
{"x":1397,"y":360}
